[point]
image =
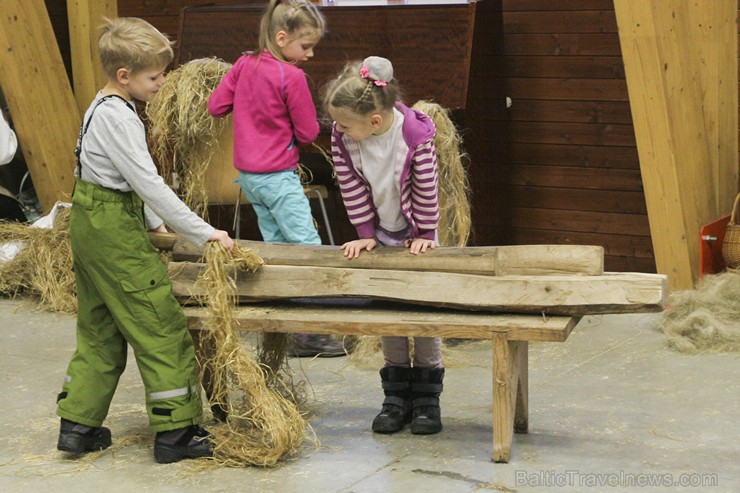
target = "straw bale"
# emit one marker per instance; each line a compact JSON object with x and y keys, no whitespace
{"x":182,"y":134}
{"x":454,"y":189}
{"x":707,"y":318}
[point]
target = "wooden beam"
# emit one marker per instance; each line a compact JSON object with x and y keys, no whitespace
{"x":500,"y":260}
{"x":376,"y":319}
{"x":84,"y":17}
{"x":36,"y":87}
{"x":555,"y":294}
{"x":680,"y":60}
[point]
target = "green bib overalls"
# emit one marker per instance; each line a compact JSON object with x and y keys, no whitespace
{"x":125,"y":297}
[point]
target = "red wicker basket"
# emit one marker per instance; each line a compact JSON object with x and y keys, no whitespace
{"x":731,"y":244}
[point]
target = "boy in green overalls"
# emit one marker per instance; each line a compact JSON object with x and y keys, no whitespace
{"x":124,"y":294}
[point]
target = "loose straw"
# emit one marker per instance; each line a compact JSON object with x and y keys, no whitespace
{"x":182,"y":134}
{"x":263,"y":425}
{"x":705,"y":319}
{"x":454,"y":190}
{"x":43,"y":266}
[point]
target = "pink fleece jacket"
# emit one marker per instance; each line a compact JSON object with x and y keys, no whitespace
{"x":273,"y":111}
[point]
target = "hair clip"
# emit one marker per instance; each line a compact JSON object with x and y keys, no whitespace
{"x":377,"y":69}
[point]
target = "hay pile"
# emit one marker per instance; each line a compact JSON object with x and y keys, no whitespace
{"x":183,"y":136}
{"x":263,"y":425}
{"x":706,"y":319}
{"x":454,"y":189}
{"x":43,"y":267}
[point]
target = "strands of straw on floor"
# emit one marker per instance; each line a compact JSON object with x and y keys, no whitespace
{"x":263,"y":426}
{"x":454,"y":189}
{"x":183,"y":135}
{"x":705,"y":319}
{"x":43,"y":268}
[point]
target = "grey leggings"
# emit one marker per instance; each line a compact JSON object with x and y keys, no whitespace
{"x":427,"y":350}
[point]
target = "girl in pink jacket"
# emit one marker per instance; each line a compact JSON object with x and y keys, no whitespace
{"x":273,"y":113}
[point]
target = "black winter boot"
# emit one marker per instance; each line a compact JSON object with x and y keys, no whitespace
{"x":396,"y":410}
{"x":426,"y":385}
{"x":78,"y":438}
{"x":191,"y":442}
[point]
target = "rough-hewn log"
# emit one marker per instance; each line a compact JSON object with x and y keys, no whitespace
{"x":499,"y":260}
{"x":376,"y":318}
{"x":553,"y":294}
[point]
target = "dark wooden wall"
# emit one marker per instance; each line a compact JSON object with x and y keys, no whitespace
{"x":164,"y":14}
{"x":560,"y":165}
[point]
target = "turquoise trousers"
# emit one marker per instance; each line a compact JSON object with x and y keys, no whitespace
{"x":125,"y":298}
{"x":282,"y":208}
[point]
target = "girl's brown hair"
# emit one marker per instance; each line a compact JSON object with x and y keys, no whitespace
{"x":290,"y":16}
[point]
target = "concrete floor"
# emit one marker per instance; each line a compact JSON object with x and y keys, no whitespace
{"x":611,"y":409}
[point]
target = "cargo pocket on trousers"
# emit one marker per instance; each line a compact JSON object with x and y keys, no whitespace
{"x":150,"y":292}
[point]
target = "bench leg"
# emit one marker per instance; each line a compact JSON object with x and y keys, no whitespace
{"x":509,"y":405}
{"x":521,"y":415}
{"x":204,"y":350}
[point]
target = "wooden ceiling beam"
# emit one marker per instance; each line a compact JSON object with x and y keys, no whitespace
{"x":681,"y":62}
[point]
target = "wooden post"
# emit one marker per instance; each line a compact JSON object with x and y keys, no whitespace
{"x":680,"y":60}
{"x":509,"y":360}
{"x":36,"y":87}
{"x":84,"y":18}
{"x":521,"y":413}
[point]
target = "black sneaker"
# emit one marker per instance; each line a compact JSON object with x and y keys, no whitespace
{"x":193,"y":442}
{"x":310,"y":345}
{"x":78,"y":438}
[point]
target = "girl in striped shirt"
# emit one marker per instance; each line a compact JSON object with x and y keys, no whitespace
{"x":386,"y":165}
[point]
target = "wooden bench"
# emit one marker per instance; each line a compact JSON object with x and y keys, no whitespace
{"x":509,"y":333}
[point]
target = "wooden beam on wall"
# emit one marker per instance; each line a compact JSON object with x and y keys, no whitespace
{"x":84,"y":18}
{"x":680,"y":60}
{"x":36,"y":87}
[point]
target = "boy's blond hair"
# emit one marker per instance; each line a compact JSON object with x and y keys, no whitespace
{"x":133,"y":44}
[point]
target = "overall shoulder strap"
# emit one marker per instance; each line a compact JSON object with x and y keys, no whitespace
{"x":85,"y":125}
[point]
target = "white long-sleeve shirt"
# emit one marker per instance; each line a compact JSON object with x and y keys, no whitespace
{"x":115,"y":155}
{"x":8,"y":142}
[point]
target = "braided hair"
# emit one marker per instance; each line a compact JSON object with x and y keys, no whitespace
{"x":364,"y":87}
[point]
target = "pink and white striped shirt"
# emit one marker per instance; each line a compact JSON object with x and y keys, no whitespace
{"x":417,"y":180}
